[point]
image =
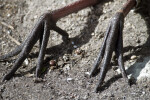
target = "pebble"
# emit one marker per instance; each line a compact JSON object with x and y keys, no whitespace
{"x":9,"y":32}
{"x":93,"y":34}
{"x":29,"y":75}
{"x":26,"y":62}
{"x":143,"y":92}
{"x":78,"y":51}
{"x":35,"y":17}
{"x":52,"y":62}
{"x":75,"y":46}
{"x":87,"y":73}
{"x":69,"y":79}
{"x":8,"y":15}
{"x":133,"y":57}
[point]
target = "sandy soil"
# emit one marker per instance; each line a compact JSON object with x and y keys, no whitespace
{"x":70,"y":80}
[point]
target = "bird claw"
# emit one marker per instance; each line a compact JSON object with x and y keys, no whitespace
{"x":112,"y":42}
{"x":41,"y":32}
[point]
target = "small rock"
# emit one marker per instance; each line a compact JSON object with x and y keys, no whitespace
{"x":9,"y":32}
{"x":87,"y":73}
{"x":8,"y":15}
{"x":69,"y":79}
{"x":26,"y":62}
{"x":133,"y":57}
{"x":78,"y":51}
{"x":75,"y":46}
{"x":131,"y":61}
{"x":93,"y":34}
{"x":52,"y":63}
{"x":143,"y":92}
{"x":29,"y":75}
{"x":35,"y":17}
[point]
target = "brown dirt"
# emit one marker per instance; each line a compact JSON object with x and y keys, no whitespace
{"x":86,"y":28}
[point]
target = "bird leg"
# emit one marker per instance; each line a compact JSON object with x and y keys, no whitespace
{"x":112,"y":42}
{"x":41,"y":32}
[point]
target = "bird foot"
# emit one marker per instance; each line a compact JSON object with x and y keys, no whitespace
{"x":40,"y":32}
{"x":112,"y":42}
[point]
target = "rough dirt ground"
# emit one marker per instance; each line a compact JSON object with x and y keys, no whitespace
{"x":70,"y":80}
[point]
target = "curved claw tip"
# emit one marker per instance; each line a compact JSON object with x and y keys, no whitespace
{"x":66,"y":40}
{"x":91,"y":75}
{"x":7,"y":77}
{"x":4,"y":79}
{"x":96,"y":90}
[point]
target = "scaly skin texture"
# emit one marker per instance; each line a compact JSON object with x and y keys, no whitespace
{"x":112,"y":41}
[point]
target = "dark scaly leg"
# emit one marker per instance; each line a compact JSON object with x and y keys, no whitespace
{"x":113,"y":43}
{"x":100,"y":55}
{"x":43,"y":48}
{"x":119,"y":53}
{"x":64,"y":34}
{"x":110,"y":47}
